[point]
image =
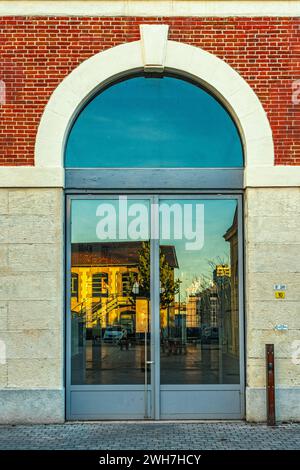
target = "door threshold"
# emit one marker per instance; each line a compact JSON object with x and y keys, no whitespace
{"x":158,"y":421}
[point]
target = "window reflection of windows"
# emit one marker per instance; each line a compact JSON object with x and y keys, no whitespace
{"x":100,"y":285}
{"x":74,"y":285}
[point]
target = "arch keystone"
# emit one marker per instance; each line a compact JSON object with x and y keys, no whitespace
{"x":154,"y":39}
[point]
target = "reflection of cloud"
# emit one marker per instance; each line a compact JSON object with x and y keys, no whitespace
{"x":150,"y":134}
{"x":197,"y":285}
{"x":120,"y":129}
{"x":104,"y":120}
{"x":143,"y":127}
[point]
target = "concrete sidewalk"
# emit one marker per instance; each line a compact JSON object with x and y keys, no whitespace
{"x":150,"y":436}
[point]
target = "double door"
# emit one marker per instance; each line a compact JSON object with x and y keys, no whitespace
{"x":154,"y":307}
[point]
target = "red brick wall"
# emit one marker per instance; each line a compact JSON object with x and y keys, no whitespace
{"x":37,"y":53}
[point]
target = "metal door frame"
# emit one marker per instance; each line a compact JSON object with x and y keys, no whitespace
{"x":240,"y":388}
{"x":155,"y":388}
{"x":110,"y":387}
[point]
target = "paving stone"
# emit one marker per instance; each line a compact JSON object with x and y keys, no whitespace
{"x":150,"y":436}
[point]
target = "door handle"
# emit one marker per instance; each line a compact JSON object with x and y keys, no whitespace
{"x":150,"y":362}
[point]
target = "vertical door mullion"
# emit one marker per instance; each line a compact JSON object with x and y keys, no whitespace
{"x":242,"y":346}
{"x":155,"y":320}
{"x":67,"y":311}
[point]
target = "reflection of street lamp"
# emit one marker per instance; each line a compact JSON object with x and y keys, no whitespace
{"x":136,"y":288}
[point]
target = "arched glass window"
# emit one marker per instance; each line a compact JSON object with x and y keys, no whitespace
{"x":154,"y":123}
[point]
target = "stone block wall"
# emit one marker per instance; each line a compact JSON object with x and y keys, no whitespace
{"x":31,"y":305}
{"x":272,"y":256}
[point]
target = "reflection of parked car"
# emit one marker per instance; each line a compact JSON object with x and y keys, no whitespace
{"x":112,"y":334}
{"x":193,"y":334}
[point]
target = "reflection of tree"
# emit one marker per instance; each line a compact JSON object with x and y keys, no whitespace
{"x":142,"y":277}
{"x":169,"y":287}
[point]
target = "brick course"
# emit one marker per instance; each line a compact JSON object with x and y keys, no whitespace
{"x":36,"y":53}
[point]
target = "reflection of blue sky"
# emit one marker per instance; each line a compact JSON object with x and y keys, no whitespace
{"x":154,"y":123}
{"x":218,"y":217}
{"x":84,"y":218}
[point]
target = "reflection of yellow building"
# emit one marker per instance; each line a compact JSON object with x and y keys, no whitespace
{"x":102,"y":276}
{"x":222,"y":270}
{"x":193,"y":311}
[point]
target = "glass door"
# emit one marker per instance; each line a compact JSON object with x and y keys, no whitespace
{"x":200,"y":358}
{"x":154,"y":307}
{"x":109,"y":308}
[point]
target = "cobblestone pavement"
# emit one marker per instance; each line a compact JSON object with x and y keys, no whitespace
{"x":150,"y":436}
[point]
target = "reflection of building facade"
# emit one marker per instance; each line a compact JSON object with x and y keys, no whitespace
{"x":221,"y":278}
{"x":190,"y":309}
{"x":208,"y":307}
{"x":215,"y":304}
{"x":102,"y":284}
{"x":232,"y":321}
{"x":193,"y":311}
{"x":101,"y":274}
